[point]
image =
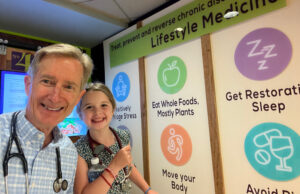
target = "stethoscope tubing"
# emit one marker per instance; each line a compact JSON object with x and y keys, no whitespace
{"x":59,"y":183}
{"x":59,"y":173}
{"x":9,"y":155}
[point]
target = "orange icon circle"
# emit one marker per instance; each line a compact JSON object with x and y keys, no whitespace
{"x":176,"y":144}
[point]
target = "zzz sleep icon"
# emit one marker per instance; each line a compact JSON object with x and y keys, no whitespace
{"x":280,"y":147}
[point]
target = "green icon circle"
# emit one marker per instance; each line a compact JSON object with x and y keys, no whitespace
{"x":171,"y":75}
{"x":272,"y":149}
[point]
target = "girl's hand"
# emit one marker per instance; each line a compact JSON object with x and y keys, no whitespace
{"x":123,"y":158}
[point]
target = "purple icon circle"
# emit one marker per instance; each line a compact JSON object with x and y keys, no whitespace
{"x":263,"y":54}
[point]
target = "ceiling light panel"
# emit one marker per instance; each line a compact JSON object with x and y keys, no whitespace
{"x":136,"y":8}
{"x":106,"y":6}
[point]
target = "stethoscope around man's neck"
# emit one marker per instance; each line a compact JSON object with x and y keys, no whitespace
{"x":58,"y":183}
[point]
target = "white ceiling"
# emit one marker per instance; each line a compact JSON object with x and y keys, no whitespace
{"x":80,"y":22}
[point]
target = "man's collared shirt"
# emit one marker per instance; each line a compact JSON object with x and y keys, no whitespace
{"x":42,"y":162}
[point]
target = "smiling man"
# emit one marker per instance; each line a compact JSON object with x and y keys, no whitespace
{"x":54,"y":85}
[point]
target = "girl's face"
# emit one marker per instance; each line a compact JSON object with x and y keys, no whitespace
{"x":96,"y":110}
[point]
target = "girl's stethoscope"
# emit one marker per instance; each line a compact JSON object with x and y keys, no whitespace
{"x":58,"y":183}
{"x":97,"y":148}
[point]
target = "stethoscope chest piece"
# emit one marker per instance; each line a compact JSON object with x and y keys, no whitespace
{"x":60,"y":184}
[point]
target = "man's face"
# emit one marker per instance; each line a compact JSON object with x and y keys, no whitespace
{"x":54,"y":91}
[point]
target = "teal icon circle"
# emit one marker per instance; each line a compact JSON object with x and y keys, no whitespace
{"x":273,"y":150}
{"x":171,"y":75}
{"x":121,"y":86}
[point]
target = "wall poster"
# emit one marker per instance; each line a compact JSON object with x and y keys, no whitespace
{"x":257,"y":88}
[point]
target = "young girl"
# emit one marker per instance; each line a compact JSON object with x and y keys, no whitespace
{"x":104,"y":145}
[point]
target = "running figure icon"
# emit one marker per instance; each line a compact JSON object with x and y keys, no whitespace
{"x":175,"y":143}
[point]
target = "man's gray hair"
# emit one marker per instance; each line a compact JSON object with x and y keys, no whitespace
{"x":63,"y":50}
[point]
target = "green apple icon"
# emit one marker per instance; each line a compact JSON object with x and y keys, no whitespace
{"x":172,"y":75}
